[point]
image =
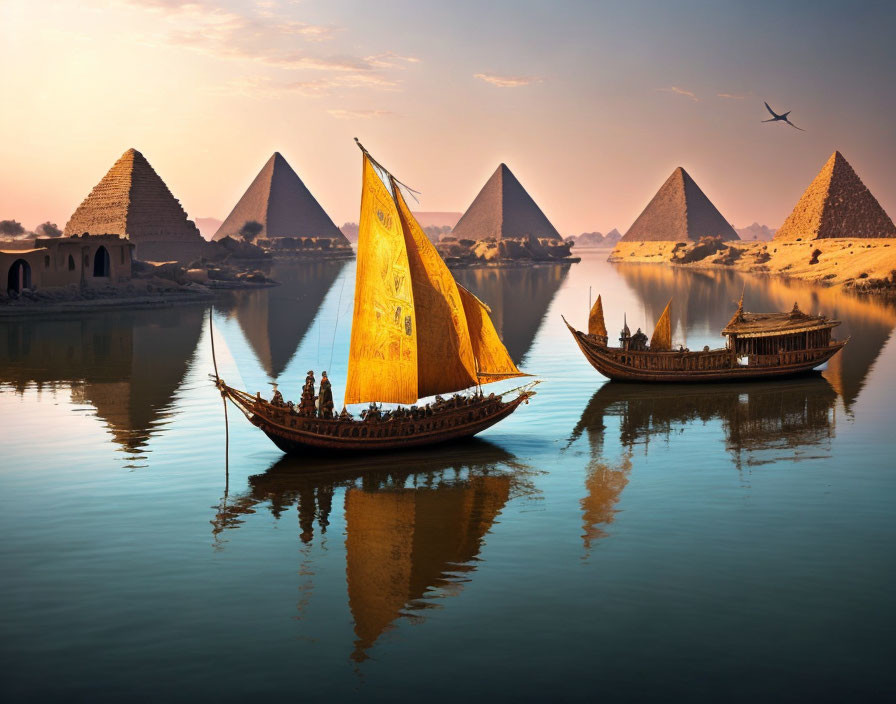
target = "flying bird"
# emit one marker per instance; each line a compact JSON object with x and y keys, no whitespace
{"x":781,"y":118}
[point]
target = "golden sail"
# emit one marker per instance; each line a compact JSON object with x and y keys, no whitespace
{"x":415,"y":331}
{"x":382,"y":363}
{"x":662,"y":333}
{"x":596,"y":325}
{"x":448,"y":363}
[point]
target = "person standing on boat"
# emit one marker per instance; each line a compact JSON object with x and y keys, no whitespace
{"x":306,"y":406}
{"x":326,"y":397}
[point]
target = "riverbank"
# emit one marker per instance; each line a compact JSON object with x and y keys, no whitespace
{"x":867,"y":265}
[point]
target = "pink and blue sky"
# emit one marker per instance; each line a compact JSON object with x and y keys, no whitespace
{"x":591,"y":104}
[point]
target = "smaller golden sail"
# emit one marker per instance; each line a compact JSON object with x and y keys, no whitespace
{"x":415,"y":333}
{"x":596,"y":325}
{"x":661,"y":340}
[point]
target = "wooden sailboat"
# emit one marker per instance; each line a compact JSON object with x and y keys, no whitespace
{"x":415,"y":333}
{"x":759,"y":346}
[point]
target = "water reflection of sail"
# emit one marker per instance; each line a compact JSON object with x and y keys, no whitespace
{"x":402,"y":543}
{"x":760,"y":416}
{"x":604,"y":484}
{"x":127,"y":364}
{"x":519,"y":299}
{"x":275,"y":320}
{"x":703,"y":300}
{"x":414,"y":522}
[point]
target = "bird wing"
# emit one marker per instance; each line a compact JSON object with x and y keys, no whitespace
{"x":770,"y":110}
{"x":794,"y":126}
{"x":774,"y":119}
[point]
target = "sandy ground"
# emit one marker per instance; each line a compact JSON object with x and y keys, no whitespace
{"x":867,"y":264}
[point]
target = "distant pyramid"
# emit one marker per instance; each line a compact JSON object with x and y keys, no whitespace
{"x":282,"y":204}
{"x":679,"y":211}
{"x":837,"y":204}
{"x":503,"y":209}
{"x":132,"y":200}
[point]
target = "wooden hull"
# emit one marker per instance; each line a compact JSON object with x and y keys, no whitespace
{"x":691,"y":367}
{"x":294,"y":433}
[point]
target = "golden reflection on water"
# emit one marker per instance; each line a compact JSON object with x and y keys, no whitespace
{"x":414,"y":522}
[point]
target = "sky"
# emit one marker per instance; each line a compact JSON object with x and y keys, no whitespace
{"x":590,"y":104}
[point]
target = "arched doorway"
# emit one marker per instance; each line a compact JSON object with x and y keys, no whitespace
{"x":101,"y":262}
{"x":71,"y":263}
{"x":19,"y":276}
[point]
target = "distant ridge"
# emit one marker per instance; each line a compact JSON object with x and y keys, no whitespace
{"x":837,"y":204}
{"x":761,"y":233}
{"x":503,"y":209}
{"x":437,"y":218}
{"x":279,"y":200}
{"x":133,"y":201}
{"x":679,"y":211}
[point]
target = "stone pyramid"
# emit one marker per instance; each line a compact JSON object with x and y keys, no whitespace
{"x":132,"y":200}
{"x":837,"y":204}
{"x":679,"y":211}
{"x":503,"y":209}
{"x":283,"y":205}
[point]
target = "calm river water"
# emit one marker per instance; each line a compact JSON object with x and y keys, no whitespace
{"x":605,"y":542}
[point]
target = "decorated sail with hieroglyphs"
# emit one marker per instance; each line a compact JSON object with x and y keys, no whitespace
{"x":493,"y":361}
{"x":445,"y":362}
{"x":415,"y":331}
{"x":662,"y":333}
{"x":382,"y":364}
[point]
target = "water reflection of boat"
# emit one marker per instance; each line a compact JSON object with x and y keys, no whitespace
{"x":276,"y":320}
{"x":758,"y":346}
{"x":786,"y":415}
{"x":519,"y":299}
{"x":127,"y":364}
{"x":414,"y":523}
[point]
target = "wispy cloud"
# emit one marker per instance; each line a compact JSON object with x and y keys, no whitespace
{"x":680,"y":91}
{"x":730,"y":96}
{"x":260,"y":35}
{"x":342,"y":114}
{"x":507,"y":81}
{"x":265,"y":86}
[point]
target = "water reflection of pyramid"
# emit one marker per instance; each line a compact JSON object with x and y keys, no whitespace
{"x":786,"y":414}
{"x":519,"y":299}
{"x":707,"y":299}
{"x":414,"y":521}
{"x":275,"y":320}
{"x":127,"y":364}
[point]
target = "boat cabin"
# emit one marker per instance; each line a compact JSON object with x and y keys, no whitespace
{"x":773,"y":333}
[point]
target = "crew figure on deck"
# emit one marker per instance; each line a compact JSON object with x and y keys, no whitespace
{"x":306,"y":405}
{"x":326,"y":397}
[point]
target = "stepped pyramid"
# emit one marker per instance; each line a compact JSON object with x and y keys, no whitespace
{"x":132,"y":200}
{"x":503,"y":209}
{"x":679,"y":211}
{"x":837,"y":204}
{"x":283,"y":205}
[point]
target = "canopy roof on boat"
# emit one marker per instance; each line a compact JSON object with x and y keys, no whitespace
{"x":775,"y":324}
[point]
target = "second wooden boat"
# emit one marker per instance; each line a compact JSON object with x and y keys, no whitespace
{"x":759,"y":346}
